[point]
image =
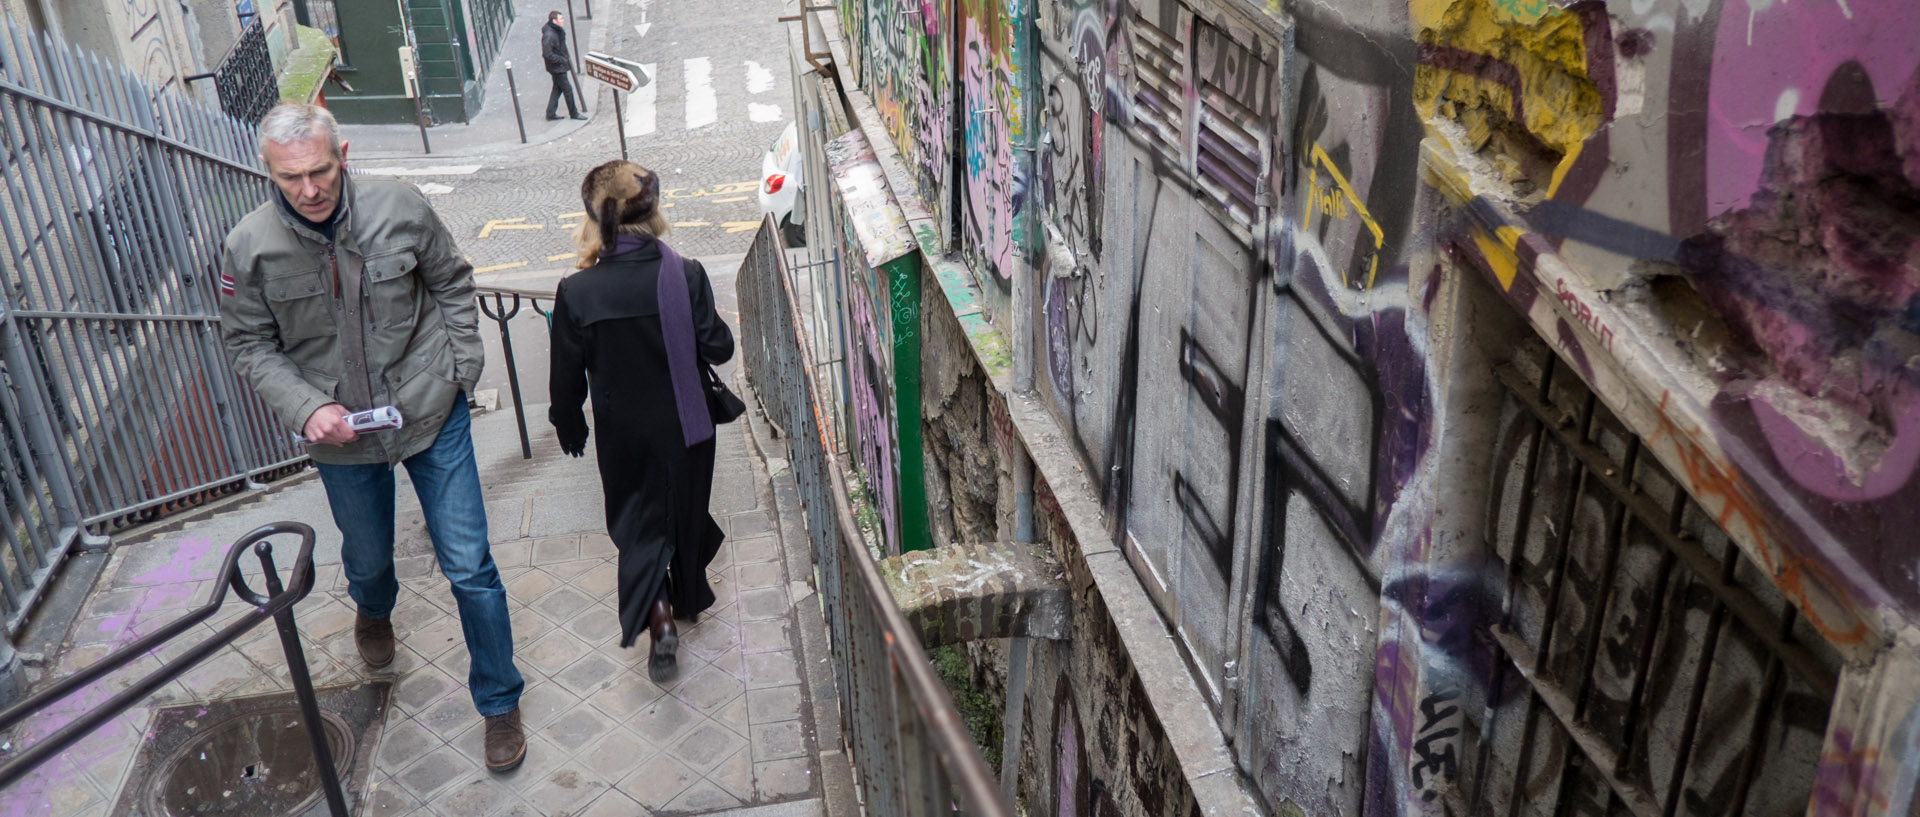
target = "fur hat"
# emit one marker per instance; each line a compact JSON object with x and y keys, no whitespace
{"x":619,"y":193}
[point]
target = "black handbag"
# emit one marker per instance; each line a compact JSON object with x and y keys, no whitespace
{"x":722,"y":404}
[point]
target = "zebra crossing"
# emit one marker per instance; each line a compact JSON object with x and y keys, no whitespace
{"x":701,"y":97}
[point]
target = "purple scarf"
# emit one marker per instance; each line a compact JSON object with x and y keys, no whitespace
{"x":676,"y":328}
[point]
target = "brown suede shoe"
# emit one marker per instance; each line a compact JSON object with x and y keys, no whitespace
{"x":374,"y":637}
{"x":506,"y":744}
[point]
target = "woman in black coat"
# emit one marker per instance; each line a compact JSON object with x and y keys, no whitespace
{"x":630,"y":338}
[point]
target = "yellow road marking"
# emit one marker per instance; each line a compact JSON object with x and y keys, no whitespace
{"x":730,"y":200}
{"x":498,"y":267}
{"x":581,"y":214}
{"x":561,"y":256}
{"x":508,"y":224}
{"x":706,"y":192}
{"x":693,"y":224}
{"x":740,"y":226}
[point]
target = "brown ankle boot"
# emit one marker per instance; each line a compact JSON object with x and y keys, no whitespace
{"x":374,"y":638}
{"x":506,"y":742}
{"x":663,"y":664}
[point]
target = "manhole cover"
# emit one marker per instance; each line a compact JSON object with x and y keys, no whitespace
{"x":251,"y":756}
{"x":257,"y":763}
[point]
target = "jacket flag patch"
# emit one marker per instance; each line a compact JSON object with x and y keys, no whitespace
{"x":226,"y":284}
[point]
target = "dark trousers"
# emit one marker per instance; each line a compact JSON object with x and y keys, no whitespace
{"x":561,"y":87}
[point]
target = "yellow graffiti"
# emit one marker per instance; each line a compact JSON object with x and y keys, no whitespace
{"x":1336,"y":207}
{"x":1499,"y":252}
{"x":1560,"y":170}
{"x":1508,"y":71}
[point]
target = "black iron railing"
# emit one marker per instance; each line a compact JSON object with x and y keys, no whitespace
{"x":910,"y":748}
{"x":245,"y":79}
{"x":276,"y":604}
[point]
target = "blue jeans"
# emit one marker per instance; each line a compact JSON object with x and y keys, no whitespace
{"x":448,"y":483}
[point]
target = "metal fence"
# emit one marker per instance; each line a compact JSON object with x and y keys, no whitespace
{"x":1659,"y":672}
{"x":118,"y":403}
{"x":245,"y":79}
{"x":910,"y":748}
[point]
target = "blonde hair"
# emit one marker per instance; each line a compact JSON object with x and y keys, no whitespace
{"x":620,"y":197}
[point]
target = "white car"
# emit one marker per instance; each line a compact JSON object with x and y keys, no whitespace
{"x":781,"y":183}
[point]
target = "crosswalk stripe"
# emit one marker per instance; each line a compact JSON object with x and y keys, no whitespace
{"x":759,"y":79}
{"x":640,"y":103}
{"x":702,"y":105}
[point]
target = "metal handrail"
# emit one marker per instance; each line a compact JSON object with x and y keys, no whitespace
{"x":502,"y":312}
{"x":909,"y":745}
{"x":277,"y":604}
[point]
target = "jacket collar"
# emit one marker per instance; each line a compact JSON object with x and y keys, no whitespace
{"x":342,"y":216}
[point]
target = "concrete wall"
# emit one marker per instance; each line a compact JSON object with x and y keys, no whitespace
{"x":1496,"y":400}
{"x":160,"y":42}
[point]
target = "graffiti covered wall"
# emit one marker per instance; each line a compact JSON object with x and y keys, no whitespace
{"x":1503,"y":401}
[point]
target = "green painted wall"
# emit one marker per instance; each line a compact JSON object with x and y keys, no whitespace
{"x":452,"y":80}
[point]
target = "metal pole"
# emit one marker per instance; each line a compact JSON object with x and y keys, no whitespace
{"x":1013,"y":726}
{"x":579,"y":93}
{"x":574,"y":30}
{"x":513,"y":90}
{"x":500,"y":315}
{"x":420,"y":120}
{"x":620,"y":121}
{"x":589,"y":9}
{"x":303,"y":686}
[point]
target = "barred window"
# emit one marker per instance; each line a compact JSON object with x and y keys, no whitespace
{"x":1650,"y":667}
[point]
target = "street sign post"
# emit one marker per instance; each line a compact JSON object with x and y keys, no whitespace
{"x":624,"y":76}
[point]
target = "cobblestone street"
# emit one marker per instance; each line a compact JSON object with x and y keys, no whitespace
{"x":514,"y":208}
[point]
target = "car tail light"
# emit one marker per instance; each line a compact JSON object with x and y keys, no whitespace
{"x":774,"y":182}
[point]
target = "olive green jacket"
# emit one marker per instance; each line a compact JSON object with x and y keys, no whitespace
{"x":282,"y":321}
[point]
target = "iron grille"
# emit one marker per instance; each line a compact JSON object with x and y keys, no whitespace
{"x":1647,"y":667}
{"x":245,"y":78}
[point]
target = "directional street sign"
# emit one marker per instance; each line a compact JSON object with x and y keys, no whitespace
{"x":600,"y":68}
{"x":625,"y":75}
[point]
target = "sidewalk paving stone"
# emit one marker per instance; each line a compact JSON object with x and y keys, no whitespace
{"x":728,"y":733}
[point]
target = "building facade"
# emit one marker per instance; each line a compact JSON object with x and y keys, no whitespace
{"x":452,"y":42}
{"x":1501,"y":406}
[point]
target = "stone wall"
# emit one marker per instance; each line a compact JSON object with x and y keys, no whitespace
{"x":1493,"y":400}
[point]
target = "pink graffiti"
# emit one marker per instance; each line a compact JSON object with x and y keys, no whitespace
{"x":873,"y":434}
{"x":1820,"y":470}
{"x":1777,"y":61}
{"x":187,"y":552}
{"x":990,"y":180}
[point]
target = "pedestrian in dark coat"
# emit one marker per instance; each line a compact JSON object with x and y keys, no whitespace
{"x":631,"y":339}
{"x":553,"y":51}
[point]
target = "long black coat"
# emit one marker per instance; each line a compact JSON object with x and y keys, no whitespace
{"x":607,"y":343}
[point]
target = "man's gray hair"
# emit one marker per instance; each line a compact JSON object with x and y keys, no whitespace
{"x":291,"y":122}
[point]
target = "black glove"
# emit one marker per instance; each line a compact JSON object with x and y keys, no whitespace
{"x":571,"y":428}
